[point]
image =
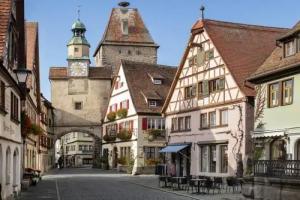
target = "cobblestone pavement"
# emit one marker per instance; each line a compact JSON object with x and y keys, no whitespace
{"x":94,"y":184}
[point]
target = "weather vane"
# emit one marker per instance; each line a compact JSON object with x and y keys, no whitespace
{"x":202,"y":11}
{"x":78,"y":12}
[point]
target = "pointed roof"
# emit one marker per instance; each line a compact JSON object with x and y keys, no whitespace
{"x":5,"y":11}
{"x":141,"y":86}
{"x":243,"y":48}
{"x":138,"y":33}
{"x":276,"y":63}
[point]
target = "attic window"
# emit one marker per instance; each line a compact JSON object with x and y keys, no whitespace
{"x":157,"y":81}
{"x":290,"y":48}
{"x":125,"y":27}
{"x":152,"y":103}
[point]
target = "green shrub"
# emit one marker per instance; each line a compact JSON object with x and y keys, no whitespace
{"x":111,"y":116}
{"x":122,"y":161}
{"x":109,"y":138}
{"x":124,"y":135}
{"x":36,"y":129}
{"x":122,"y":113}
{"x":130,"y":163}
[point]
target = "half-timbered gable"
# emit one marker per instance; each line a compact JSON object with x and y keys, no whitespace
{"x":209,"y":108}
{"x":139,"y":92}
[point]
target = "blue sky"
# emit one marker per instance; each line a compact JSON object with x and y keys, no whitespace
{"x":169,"y":22}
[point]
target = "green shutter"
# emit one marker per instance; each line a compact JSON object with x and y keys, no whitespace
{"x":205,"y":88}
{"x":200,"y":57}
{"x":221,"y":84}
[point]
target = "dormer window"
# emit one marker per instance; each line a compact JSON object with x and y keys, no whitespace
{"x":125,"y":27}
{"x":152,"y":103}
{"x":157,"y":81}
{"x":290,"y":48}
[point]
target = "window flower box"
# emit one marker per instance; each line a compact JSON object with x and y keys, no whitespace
{"x":124,"y":135}
{"x":122,"y":113}
{"x":111,"y":116}
{"x":109,"y":138}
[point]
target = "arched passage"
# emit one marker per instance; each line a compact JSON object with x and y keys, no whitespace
{"x":1,"y":170}
{"x":16,"y":168}
{"x":76,"y":148}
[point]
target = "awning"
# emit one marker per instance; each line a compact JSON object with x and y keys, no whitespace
{"x":173,"y":148}
{"x":268,"y":134}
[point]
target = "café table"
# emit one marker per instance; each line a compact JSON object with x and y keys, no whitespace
{"x":178,"y":180}
{"x":199,"y":182}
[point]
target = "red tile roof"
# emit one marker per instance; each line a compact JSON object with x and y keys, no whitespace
{"x":141,"y":86}
{"x":5,"y":11}
{"x":243,"y":48}
{"x":94,"y":73}
{"x":138,"y":33}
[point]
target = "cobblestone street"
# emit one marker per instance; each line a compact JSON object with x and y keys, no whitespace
{"x":94,"y":184}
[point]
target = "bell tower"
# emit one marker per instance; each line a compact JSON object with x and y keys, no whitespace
{"x":78,"y":51}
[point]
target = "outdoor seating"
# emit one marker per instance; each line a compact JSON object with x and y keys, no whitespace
{"x":162,"y":179}
{"x":190,"y":184}
{"x":232,"y":183}
{"x":218,"y":183}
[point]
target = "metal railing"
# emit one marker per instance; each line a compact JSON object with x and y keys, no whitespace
{"x":277,"y":168}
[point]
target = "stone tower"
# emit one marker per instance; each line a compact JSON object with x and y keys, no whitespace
{"x":125,"y":37}
{"x":79,"y":92}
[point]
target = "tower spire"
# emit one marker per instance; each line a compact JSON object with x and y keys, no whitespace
{"x":78,"y":12}
{"x":202,"y":9}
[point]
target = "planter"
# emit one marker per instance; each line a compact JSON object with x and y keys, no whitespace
{"x":124,"y":135}
{"x":111,"y":116}
{"x":109,"y":138}
{"x":122,"y":113}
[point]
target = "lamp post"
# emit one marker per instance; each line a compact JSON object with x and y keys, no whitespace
{"x":22,"y":76}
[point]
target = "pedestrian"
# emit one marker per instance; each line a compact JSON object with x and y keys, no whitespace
{"x":60,"y":162}
{"x":171,"y":169}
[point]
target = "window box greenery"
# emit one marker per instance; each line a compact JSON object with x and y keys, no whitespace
{"x":122,"y":113}
{"x":151,"y":162}
{"x":154,"y":133}
{"x":111,"y":116}
{"x":124,"y":135}
{"x":36,"y":129}
{"x":25,"y":124}
{"x":109,"y":138}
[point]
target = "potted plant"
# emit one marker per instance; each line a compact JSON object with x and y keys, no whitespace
{"x":124,"y":135}
{"x":109,"y":138}
{"x":153,"y":134}
{"x":111,"y":116}
{"x":122,"y":113}
{"x":36,"y":129}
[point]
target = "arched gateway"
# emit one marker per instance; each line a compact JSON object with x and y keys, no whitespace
{"x":79,"y":92}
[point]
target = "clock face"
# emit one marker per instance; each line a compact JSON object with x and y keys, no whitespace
{"x":78,"y":69}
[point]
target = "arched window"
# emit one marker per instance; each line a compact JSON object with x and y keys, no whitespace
{"x":8,"y":165}
{"x":278,"y":149}
{"x":16,"y":167}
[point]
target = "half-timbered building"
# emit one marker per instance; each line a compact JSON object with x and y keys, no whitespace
{"x":209,"y":108}
{"x":133,"y":129}
{"x":277,"y":81}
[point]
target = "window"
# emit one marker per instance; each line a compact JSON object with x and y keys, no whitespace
{"x":120,"y":51}
{"x":274,"y":95}
{"x":129,"y":52}
{"x":216,"y":85}
{"x":152,"y":103}
{"x":204,"y":158}
{"x":209,"y":54}
{"x":224,"y":158}
{"x":200,"y":89}
{"x":287,"y":90}
{"x":278,"y":150}
{"x":174,"y":124}
{"x":224,"y":117}
{"x":290,"y":48}
{"x":138,"y":52}
{"x":188,"y":123}
{"x":149,"y":152}
{"x":212,"y":158}
{"x":157,"y":81}
{"x":212,"y":119}
{"x":190,"y":92}
{"x":78,"y":105}
{"x":2,"y":95}
{"x":124,"y":104}
{"x":192,"y":61}
{"x":125,"y":27}
{"x":76,"y":49}
{"x":181,"y":123}
{"x":203,"y":121}
{"x":14,"y":107}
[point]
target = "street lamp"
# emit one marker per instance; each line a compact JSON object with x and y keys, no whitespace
{"x":22,"y":75}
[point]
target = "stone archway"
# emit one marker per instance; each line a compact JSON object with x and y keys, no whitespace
{"x":8,"y":166}
{"x":16,"y":168}
{"x":95,"y":133}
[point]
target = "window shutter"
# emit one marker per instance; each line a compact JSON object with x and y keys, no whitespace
{"x":144,"y":123}
{"x":200,"y":57}
{"x":205,"y":88}
{"x":127,"y":102}
{"x":194,"y":90}
{"x":221,"y":84}
{"x":131,"y":125}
